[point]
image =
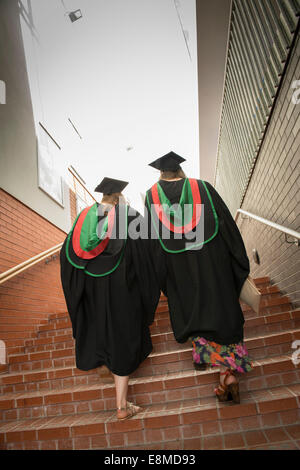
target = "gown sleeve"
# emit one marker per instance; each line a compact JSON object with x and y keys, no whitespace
{"x":157,"y":254}
{"x":72,"y":280}
{"x":233,"y":239}
{"x":145,"y":272}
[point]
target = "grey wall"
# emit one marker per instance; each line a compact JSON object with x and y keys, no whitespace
{"x":274,"y":191}
{"x":18,"y":148}
{"x":212,"y":31}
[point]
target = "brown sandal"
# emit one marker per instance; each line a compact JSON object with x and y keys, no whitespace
{"x":131,"y":410}
{"x":228,"y":392}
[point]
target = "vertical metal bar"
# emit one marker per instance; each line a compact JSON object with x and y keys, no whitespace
{"x":288,"y":18}
{"x":282,"y":32}
{"x":295,"y":7}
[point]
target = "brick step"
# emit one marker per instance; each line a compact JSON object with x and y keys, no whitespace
{"x":16,"y":337}
{"x":259,"y":347}
{"x":161,"y":323}
{"x":156,"y":363}
{"x":9,"y":313}
{"x":143,"y":391}
{"x":271,"y":438}
{"x":48,"y":343}
{"x":45,"y":379}
{"x":15,"y":346}
{"x":273,"y":305}
{"x":174,"y":361}
{"x":19,"y":335}
{"x":277,"y":304}
{"x":262,"y":281}
{"x":269,"y":306}
{"x":7,"y":322}
{"x":3,"y":368}
{"x":278,"y":322}
{"x":16,"y":342}
{"x":19,"y":328}
{"x":178,"y":421}
{"x":254,"y":327}
{"x":282,"y":306}
{"x":268,"y":293}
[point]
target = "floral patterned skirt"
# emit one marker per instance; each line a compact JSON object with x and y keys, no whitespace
{"x":233,"y":356}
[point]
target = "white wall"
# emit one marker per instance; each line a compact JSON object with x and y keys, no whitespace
{"x":213,"y":18}
{"x":18,"y":142}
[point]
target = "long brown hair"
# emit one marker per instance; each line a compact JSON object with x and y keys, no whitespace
{"x":170,"y":175}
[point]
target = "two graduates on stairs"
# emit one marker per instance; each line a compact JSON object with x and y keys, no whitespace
{"x":190,"y":249}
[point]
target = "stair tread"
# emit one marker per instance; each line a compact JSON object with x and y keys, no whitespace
{"x":290,"y":311}
{"x":49,"y":369}
{"x":153,"y":354}
{"x":150,"y":411}
{"x":154,"y":335}
{"x":179,"y":350}
{"x":282,"y":300}
{"x":259,"y":336}
{"x":132,"y":381}
{"x":179,"y":410}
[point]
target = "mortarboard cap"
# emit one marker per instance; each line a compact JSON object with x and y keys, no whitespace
{"x":110,"y":186}
{"x":170,"y":161}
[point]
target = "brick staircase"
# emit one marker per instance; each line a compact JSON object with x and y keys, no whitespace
{"x":46,"y":403}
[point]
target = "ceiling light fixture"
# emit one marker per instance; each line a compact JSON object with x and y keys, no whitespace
{"x":75,"y":15}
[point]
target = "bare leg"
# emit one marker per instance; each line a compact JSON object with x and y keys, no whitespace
{"x":128,"y":409}
{"x":121,"y":383}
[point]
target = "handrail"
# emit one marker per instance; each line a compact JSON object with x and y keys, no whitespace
{"x":73,"y":174}
{"x":28,"y":263}
{"x":283,"y":229}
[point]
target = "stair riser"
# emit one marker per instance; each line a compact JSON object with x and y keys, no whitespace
{"x":159,"y":326}
{"x":276,"y":349}
{"x":161,"y":319}
{"x":151,"y":393}
{"x":266,"y":297}
{"x":40,"y":347}
{"x":153,"y":365}
{"x":49,"y":346}
{"x":51,"y":384}
{"x":268,"y":310}
{"x":47,"y":380}
{"x":164,"y":326}
{"x":251,"y":331}
{"x":27,"y":362}
{"x":206,"y":424}
{"x":18,"y":335}
{"x":271,"y":328}
{"x":271,"y":303}
{"x":53,"y":342}
{"x":45,"y":364}
{"x":249,"y":426}
{"x":158,"y":347}
{"x":8,"y":324}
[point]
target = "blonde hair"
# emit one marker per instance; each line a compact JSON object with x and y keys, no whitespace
{"x":170,"y":174}
{"x":111,"y":199}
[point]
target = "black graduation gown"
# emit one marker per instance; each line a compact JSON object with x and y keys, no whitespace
{"x":111,"y":314}
{"x":203,"y":286}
